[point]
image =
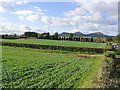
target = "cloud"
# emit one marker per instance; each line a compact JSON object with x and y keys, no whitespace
{"x":38,"y":9}
{"x":57,"y":21}
{"x":6,"y":5}
{"x":31,"y":15}
{"x":77,"y":11}
{"x":91,"y":28}
{"x":2,"y":9}
{"x":95,"y":12}
{"x":2,"y":18}
{"x":94,"y":16}
{"x":10,"y":28}
{"x":45,"y":19}
{"x":47,"y":28}
{"x":24,"y":12}
{"x":21,"y":2}
{"x":87,"y":17}
{"x":32,"y":18}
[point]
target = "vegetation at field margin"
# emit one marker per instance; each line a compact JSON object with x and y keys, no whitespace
{"x":31,"y":68}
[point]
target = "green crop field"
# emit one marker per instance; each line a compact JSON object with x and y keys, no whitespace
{"x":57,"y":43}
{"x":32,"y":68}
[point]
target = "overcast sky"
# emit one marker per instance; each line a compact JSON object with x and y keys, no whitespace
{"x":83,"y":15}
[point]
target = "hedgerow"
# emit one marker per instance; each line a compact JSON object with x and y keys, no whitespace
{"x":73,"y":49}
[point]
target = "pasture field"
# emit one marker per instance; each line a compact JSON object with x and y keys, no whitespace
{"x":57,"y":43}
{"x":33,"y":68}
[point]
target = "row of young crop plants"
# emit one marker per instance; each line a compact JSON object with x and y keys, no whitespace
{"x":51,"y":75}
{"x":52,"y":47}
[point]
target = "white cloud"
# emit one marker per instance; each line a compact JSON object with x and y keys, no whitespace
{"x":22,"y":2}
{"x":45,"y":10}
{"x":38,"y":9}
{"x":95,"y":12}
{"x":94,"y":16}
{"x":45,"y":19}
{"x":30,"y":15}
{"x":75,"y":30}
{"x":87,"y":17}
{"x":91,"y":28}
{"x":77,"y":11}
{"x":57,"y":21}
{"x":10,"y":28}
{"x":2,"y":18}
{"x":47,"y":28}
{"x":2,"y":9}
{"x":24,"y":12}
{"x":32,"y":18}
{"x":21,"y":17}
{"x":6,"y":5}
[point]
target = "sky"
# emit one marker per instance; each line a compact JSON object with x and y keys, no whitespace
{"x":63,"y":16}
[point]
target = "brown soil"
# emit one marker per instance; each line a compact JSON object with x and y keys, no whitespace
{"x":84,"y":55}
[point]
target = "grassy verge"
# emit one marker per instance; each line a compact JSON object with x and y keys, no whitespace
{"x":91,"y":75}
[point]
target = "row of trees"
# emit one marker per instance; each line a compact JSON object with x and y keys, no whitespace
{"x":6,"y":36}
{"x":57,"y":37}
{"x":82,"y":39}
{"x":48,"y":36}
{"x":70,"y":38}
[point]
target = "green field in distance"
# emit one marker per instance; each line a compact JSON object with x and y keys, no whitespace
{"x":57,"y":43}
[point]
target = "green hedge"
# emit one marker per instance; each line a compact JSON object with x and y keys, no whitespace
{"x":110,"y":54}
{"x":73,"y":49}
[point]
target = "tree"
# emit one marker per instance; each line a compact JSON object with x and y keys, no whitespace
{"x":70,"y":37}
{"x":92,"y":39}
{"x":9,"y":37}
{"x":52,"y":37}
{"x":39,"y":36}
{"x":66,"y":38}
{"x":109,"y":39}
{"x":6,"y":35}
{"x":78,"y":38}
{"x":56,"y":36}
{"x":63,"y":38}
{"x":31,"y":34}
{"x":15,"y":35}
{"x":117,"y":38}
{"x":3,"y":36}
{"x":81,"y":39}
{"x":45,"y":36}
{"x":59,"y":38}
{"x":73,"y":38}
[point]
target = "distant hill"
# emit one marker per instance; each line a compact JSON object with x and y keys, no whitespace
{"x":79,"y":34}
{"x":97,"y":34}
{"x":64,"y":34}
